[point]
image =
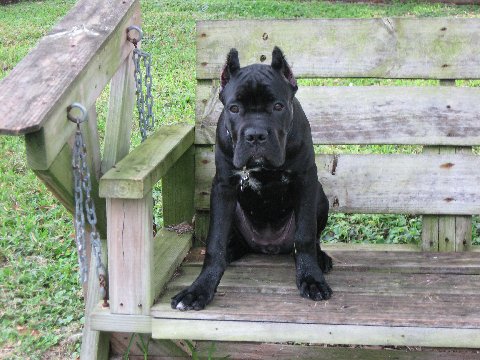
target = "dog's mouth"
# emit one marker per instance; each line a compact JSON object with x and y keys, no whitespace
{"x":266,"y":158}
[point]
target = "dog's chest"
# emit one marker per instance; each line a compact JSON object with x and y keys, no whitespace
{"x":260,"y":187}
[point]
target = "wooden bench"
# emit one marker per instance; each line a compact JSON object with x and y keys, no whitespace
{"x":424,"y":296}
{"x":382,"y":295}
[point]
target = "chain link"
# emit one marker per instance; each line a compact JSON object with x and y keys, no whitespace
{"x":146,"y":119}
{"x":85,"y":207}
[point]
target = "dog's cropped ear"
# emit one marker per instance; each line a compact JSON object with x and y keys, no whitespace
{"x":280,"y":64}
{"x":231,"y":66}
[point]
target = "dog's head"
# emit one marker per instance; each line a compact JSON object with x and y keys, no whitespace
{"x":258,"y":109}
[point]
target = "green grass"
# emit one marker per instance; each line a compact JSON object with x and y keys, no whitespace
{"x":41,"y":308}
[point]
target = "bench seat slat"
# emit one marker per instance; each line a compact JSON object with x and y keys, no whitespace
{"x":408,"y":115}
{"x":274,"y":281}
{"x":385,"y":184}
{"x":366,"y":296}
{"x":438,"y":48}
{"x":405,"y":261}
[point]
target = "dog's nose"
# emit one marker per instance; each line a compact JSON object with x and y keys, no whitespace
{"x":255,"y":136}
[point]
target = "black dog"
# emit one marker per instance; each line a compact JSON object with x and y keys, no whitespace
{"x":265,"y":195}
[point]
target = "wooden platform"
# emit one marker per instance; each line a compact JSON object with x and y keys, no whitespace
{"x":380,"y":298}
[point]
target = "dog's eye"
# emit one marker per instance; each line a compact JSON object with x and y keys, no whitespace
{"x":278,"y":107}
{"x":234,"y":109}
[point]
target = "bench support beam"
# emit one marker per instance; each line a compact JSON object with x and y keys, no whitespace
{"x":445,"y":232}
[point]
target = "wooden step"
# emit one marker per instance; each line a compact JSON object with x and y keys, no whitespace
{"x":380,"y":298}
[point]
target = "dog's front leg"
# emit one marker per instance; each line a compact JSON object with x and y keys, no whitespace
{"x":310,"y":279}
{"x":202,"y":290}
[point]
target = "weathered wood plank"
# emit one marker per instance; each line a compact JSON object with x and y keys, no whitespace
{"x":95,"y":344}
{"x":394,"y":183}
{"x":283,"y":351}
{"x":102,"y":319}
{"x":87,"y":55}
{"x":62,"y":61}
{"x":280,"y":280}
{"x":202,"y":223}
{"x":361,"y":258}
{"x":157,"y":349}
{"x":130,"y":255}
{"x":258,"y":351}
{"x":178,"y":186}
{"x":259,"y":292}
{"x":446,"y":233}
{"x":169,"y":251}
{"x":438,"y":48}
{"x":120,"y":116}
{"x":137,"y":173}
{"x":316,"y":333}
{"x":446,"y":224}
{"x":432,"y":115}
{"x":59,"y":178}
{"x":338,"y":246}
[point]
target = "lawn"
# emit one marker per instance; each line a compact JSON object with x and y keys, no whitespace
{"x":41,"y":304}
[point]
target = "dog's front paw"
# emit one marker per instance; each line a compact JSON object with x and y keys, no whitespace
{"x":191,"y":298}
{"x":315,"y":289}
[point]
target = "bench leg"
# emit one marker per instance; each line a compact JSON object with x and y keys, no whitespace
{"x":95,"y":344}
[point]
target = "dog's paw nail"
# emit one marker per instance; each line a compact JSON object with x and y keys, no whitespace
{"x":181,"y":306}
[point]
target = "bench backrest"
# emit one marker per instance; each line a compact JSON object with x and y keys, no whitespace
{"x":444,"y":178}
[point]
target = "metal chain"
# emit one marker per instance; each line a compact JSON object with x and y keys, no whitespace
{"x":146,"y":119}
{"x":85,"y":206}
{"x":146,"y":122}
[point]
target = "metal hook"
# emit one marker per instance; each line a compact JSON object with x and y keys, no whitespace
{"x":83,"y":113}
{"x":134,"y":41}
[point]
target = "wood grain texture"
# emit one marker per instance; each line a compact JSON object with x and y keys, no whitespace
{"x":314,"y":333}
{"x":95,"y":344}
{"x":61,"y":64}
{"x":178,"y":186}
{"x":395,"y":183}
{"x":59,"y":177}
{"x":438,"y":48}
{"x":102,"y":319}
{"x":130,"y":255}
{"x":386,"y":298}
{"x":259,"y":351}
{"x":137,"y":173}
{"x":446,"y":233}
{"x":157,"y":349}
{"x":202,"y":224}
{"x":169,"y":250}
{"x":430,"y":115}
{"x":120,"y":116}
{"x":365,"y":284}
{"x":359,"y":258}
{"x":81,"y":73}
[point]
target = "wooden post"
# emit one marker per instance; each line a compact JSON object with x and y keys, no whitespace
{"x":446,"y":232}
{"x":130,"y":254}
{"x":95,"y":345}
{"x":178,"y":190}
{"x":120,"y":115}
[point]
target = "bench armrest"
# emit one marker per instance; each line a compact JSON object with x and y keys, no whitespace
{"x":136,"y":174}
